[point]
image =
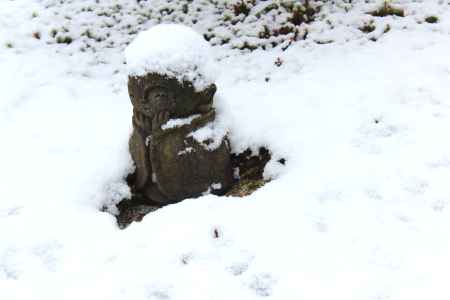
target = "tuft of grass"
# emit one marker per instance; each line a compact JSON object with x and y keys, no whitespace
{"x":247,"y":46}
{"x":284,"y":30}
{"x":432,"y":19}
{"x":267,"y":9}
{"x":243,"y":7}
{"x":64,"y":40}
{"x":53,"y":32}
{"x":88,"y":33}
{"x":387,"y":10}
{"x":265,"y":33}
{"x":185,"y":8}
{"x":9,"y":45}
{"x":368,"y":28}
{"x":246,"y":187}
{"x":302,"y":14}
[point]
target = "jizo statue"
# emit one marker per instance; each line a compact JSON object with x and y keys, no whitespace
{"x":171,"y":165}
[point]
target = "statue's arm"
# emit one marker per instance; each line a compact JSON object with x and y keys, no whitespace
{"x":195,"y":124}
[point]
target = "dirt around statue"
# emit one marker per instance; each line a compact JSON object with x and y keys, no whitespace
{"x":171,"y":164}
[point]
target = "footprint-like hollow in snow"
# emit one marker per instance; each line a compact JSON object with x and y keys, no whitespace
{"x":158,"y":294}
{"x":262,"y":284}
{"x":239,"y":268}
{"x":8,"y":273}
{"x":9,"y":269}
{"x":241,"y":265}
{"x":11,"y":211}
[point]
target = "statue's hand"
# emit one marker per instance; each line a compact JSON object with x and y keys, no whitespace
{"x":158,"y":120}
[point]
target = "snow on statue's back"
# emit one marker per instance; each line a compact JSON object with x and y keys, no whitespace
{"x":173,"y":50}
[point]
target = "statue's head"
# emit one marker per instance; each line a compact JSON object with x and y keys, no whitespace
{"x":153,"y":93}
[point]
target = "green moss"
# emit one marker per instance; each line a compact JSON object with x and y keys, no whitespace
{"x":53,"y":32}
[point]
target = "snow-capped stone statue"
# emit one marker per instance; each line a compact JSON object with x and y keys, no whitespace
{"x":178,"y":149}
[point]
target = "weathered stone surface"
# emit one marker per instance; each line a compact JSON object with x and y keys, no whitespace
{"x":170,"y":164}
{"x":132,"y":211}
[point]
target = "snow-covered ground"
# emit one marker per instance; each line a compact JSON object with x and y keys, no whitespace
{"x":360,"y":211}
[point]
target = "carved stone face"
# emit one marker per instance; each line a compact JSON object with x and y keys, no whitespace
{"x":154,"y":93}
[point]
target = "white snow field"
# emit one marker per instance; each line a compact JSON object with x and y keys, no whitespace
{"x":360,"y":211}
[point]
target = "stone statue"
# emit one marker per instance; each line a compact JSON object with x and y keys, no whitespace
{"x":171,"y":165}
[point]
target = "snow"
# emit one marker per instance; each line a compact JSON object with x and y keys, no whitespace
{"x":210,"y":136}
{"x":173,"y":123}
{"x":359,"y":211}
{"x":173,"y":50}
{"x":186,"y":151}
{"x":216,"y":186}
